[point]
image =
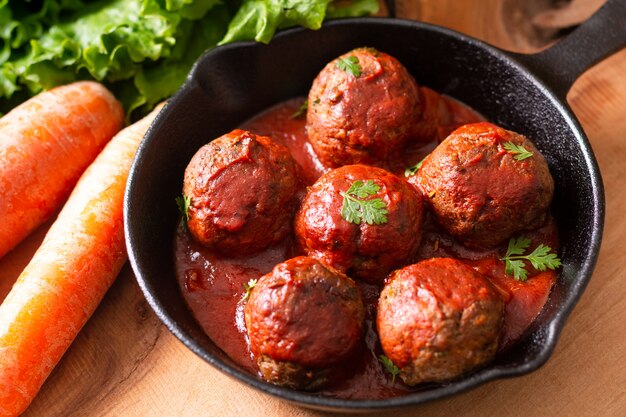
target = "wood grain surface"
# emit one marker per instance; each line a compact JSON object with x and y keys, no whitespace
{"x":126,"y":363}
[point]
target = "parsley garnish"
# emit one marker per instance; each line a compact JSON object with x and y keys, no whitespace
{"x":183,"y":203}
{"x":248,"y":287}
{"x":518,"y":151}
{"x":356,"y":207}
{"x":413,"y":170}
{"x":389,"y":367}
{"x":350,"y":65}
{"x":540,"y":258}
{"x":301,"y":110}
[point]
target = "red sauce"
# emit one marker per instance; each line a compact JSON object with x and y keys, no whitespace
{"x":213,"y":285}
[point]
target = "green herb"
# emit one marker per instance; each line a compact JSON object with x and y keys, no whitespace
{"x":357,"y":207}
{"x":248,"y":287}
{"x":540,"y":258}
{"x":183,"y":203}
{"x":390,"y":367}
{"x":518,"y":151}
{"x":350,"y":65}
{"x":413,"y":170}
{"x":301,"y":110}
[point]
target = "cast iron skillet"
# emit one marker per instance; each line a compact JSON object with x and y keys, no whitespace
{"x":524,"y":93}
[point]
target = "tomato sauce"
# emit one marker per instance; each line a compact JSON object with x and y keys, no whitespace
{"x":213,"y":285}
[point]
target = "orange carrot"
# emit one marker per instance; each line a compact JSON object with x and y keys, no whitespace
{"x":69,"y":274}
{"x":45,"y":144}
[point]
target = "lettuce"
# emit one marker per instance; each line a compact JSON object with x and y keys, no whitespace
{"x":259,"y":19}
{"x":141,"y":49}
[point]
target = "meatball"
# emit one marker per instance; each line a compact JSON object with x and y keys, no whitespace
{"x":303,"y":319}
{"x":481,"y":192}
{"x":438,"y":319}
{"x":364,"y":250}
{"x":243,"y":193}
{"x":365,"y":116}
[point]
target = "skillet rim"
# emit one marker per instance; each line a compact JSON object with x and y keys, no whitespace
{"x":554,"y":326}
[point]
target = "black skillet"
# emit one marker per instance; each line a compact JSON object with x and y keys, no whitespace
{"x":525,"y":93}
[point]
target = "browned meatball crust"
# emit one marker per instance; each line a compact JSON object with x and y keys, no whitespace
{"x":303,"y":318}
{"x":365,"y":118}
{"x":438,"y":319}
{"x":367,"y":251}
{"x":243,"y":193}
{"x":480,"y":192}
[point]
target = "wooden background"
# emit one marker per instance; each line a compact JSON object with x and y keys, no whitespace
{"x":125,"y":363}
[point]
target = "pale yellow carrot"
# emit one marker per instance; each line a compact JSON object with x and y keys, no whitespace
{"x":69,"y":274}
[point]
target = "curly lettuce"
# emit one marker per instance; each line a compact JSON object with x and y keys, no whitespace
{"x":141,"y":49}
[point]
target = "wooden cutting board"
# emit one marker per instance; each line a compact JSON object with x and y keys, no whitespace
{"x":125,"y":363}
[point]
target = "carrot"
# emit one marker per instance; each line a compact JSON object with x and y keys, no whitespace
{"x":68,"y":276}
{"x":45,"y":144}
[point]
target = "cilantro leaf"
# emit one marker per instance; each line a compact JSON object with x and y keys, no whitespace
{"x":350,"y":65}
{"x":357,"y":207}
{"x":301,"y":110}
{"x":518,"y":151}
{"x":390,"y":367}
{"x":183,"y":202}
{"x":541,"y":258}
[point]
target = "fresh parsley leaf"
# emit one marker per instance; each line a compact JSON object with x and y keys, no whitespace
{"x":390,"y":367}
{"x":516,"y":268}
{"x":350,"y":211}
{"x":301,"y":110}
{"x":517,"y":246}
{"x":363,"y":190}
{"x":248,"y":287}
{"x":350,"y":65}
{"x":375,"y":212}
{"x":541,"y":258}
{"x":413,"y":170}
{"x":518,"y":151}
{"x":183,"y":203}
{"x":357,"y":207}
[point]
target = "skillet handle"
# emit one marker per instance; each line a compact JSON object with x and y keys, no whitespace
{"x":601,"y":35}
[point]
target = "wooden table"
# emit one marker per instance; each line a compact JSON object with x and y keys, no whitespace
{"x":125,"y":363}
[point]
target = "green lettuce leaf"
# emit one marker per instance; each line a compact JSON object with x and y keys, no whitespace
{"x":259,"y":19}
{"x":141,"y":49}
{"x":157,"y":82}
{"x":351,"y":9}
